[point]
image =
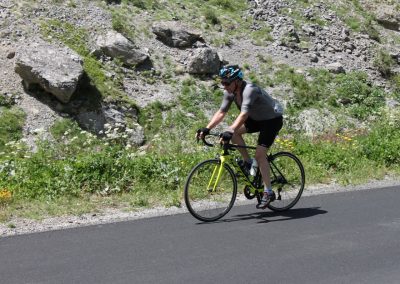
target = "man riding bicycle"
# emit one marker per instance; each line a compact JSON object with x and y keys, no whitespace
{"x":259,"y":112}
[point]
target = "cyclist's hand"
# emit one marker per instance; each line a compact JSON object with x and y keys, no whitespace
{"x":202,"y":132}
{"x":226,"y":136}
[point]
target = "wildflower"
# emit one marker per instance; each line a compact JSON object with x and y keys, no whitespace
{"x":5,"y":194}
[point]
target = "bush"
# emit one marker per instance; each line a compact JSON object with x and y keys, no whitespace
{"x":11,"y":124}
{"x":143,"y":4}
{"x":384,"y":62}
{"x":361,"y":99}
{"x":211,"y":17}
{"x":383,"y":144}
{"x":7,"y":100}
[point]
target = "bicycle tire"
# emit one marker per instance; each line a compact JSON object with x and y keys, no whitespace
{"x":210,"y":203}
{"x":287,"y":179}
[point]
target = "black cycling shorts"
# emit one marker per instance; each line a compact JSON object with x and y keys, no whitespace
{"x":268,"y":129}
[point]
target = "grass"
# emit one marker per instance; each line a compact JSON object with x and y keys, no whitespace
{"x":64,"y":179}
{"x":79,"y":173}
{"x":11,"y":123}
{"x":210,"y":17}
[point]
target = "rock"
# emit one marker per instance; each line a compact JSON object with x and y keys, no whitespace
{"x":175,"y":34}
{"x":57,"y":70}
{"x":204,"y":61}
{"x":335,"y":68}
{"x":314,"y":121}
{"x":314,"y":58}
{"x":115,"y":45}
{"x":92,"y":121}
{"x":11,"y":55}
{"x":388,"y":17}
{"x":110,"y":118}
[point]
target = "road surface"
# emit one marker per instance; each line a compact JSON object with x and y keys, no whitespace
{"x":351,"y":237}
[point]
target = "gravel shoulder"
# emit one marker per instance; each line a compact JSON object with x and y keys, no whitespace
{"x":112,"y":215}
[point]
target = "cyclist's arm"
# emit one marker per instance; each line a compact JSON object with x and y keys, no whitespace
{"x":239,"y":121}
{"x":216,"y":119}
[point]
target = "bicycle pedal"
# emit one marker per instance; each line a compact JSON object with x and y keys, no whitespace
{"x":259,"y":206}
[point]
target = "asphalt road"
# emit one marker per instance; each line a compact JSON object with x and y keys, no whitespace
{"x":352,"y":237}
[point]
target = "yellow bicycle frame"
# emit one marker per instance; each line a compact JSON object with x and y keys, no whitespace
{"x":217,"y":172}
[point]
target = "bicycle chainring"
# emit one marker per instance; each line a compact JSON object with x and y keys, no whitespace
{"x":248,"y":194}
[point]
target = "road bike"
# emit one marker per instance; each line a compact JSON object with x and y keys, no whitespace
{"x":211,"y":186}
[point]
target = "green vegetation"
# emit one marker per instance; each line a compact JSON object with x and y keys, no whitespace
{"x":384,"y":62}
{"x":78,"y":172}
{"x":351,"y":92}
{"x":11,"y":123}
{"x":81,"y":165}
{"x":262,"y":36}
{"x":211,"y":17}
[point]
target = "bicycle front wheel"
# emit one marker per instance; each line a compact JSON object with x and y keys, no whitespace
{"x":210,"y":190}
{"x":287,"y":180}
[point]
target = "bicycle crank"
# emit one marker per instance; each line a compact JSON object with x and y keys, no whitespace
{"x":248,"y":193}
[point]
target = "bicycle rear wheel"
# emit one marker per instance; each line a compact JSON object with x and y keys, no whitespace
{"x":210,"y":191}
{"x":287,"y":180}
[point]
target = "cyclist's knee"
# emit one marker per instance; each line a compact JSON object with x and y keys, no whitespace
{"x":237,"y":138}
{"x":261,"y":153}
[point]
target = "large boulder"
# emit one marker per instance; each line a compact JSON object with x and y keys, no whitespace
{"x":313,"y":121}
{"x":176,"y":34}
{"x":115,"y":45}
{"x":204,"y":61}
{"x":112,"y":122}
{"x":388,"y":17}
{"x":57,"y":70}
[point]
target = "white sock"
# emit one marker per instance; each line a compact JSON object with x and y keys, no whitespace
{"x":267,"y":190}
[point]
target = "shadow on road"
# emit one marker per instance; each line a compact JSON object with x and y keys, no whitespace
{"x":270,"y":216}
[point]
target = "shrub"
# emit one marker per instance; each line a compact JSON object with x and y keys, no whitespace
{"x":211,"y":17}
{"x":262,"y":36}
{"x":384,"y":62}
{"x":144,"y":4}
{"x":7,"y":100}
{"x":362,"y":100}
{"x":383,"y":144}
{"x":11,"y":123}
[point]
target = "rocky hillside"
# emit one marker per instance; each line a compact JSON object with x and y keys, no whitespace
{"x":103,"y":63}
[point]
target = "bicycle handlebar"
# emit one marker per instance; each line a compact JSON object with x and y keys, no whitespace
{"x":226,"y":145}
{"x":203,"y":139}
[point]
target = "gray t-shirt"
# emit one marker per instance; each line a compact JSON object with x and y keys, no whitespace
{"x":255,"y":102}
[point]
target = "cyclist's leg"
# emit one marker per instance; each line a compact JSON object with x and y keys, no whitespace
{"x":238,"y":139}
{"x":263,"y":165}
{"x":268,"y":131}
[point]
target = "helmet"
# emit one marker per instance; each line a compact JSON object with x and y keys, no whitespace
{"x":230,"y":73}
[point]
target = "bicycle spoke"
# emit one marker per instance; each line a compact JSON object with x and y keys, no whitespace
{"x":287,"y":178}
{"x":210,"y":190}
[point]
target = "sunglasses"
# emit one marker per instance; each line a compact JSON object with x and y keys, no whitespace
{"x":225,"y":83}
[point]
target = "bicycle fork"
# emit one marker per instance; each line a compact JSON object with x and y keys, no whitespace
{"x":217,"y":172}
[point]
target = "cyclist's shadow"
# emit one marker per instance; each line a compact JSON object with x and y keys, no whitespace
{"x":271,"y":216}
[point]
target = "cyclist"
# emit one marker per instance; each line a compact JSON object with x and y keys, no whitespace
{"x":259,"y":112}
